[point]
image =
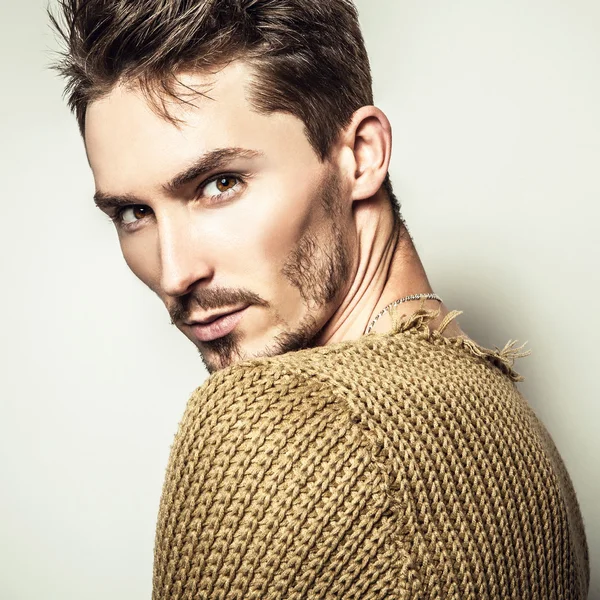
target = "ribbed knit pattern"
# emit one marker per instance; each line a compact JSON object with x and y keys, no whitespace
{"x":403,"y":465}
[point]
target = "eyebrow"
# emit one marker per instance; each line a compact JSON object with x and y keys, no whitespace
{"x":211,"y":161}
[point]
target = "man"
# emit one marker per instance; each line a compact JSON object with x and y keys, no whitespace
{"x":351,"y":441}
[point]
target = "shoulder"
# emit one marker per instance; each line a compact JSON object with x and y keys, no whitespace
{"x":246,"y":391}
{"x":265,"y":484}
{"x":240,"y":410}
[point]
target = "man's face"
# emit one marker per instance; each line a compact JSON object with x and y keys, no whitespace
{"x":229,"y":216}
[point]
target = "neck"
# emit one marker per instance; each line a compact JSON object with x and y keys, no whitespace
{"x":387,"y":268}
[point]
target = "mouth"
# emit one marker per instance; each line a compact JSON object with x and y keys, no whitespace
{"x":218,"y":327}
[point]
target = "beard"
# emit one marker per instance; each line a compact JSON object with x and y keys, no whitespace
{"x":318,"y":267}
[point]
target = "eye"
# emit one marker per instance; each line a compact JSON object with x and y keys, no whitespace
{"x":220,"y":185}
{"x":128,"y":217}
{"x":136,"y":212}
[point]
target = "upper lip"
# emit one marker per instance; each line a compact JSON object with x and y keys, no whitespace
{"x":209,"y":318}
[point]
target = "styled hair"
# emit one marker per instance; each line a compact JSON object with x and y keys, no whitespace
{"x":309,"y":56}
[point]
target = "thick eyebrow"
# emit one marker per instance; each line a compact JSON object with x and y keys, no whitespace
{"x":107,"y":201}
{"x":211,"y":161}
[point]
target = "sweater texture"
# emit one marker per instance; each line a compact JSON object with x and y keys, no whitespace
{"x":404,"y":465}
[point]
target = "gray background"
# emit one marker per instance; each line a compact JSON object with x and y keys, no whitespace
{"x":495,"y":113}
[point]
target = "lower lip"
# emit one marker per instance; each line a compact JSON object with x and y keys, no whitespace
{"x":219,"y":327}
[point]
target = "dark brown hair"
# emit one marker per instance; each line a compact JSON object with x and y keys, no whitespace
{"x":309,"y":55}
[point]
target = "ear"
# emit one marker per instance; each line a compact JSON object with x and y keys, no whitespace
{"x":367,"y":149}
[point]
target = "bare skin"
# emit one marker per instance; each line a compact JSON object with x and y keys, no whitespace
{"x":230,"y":213}
{"x":389,"y":269}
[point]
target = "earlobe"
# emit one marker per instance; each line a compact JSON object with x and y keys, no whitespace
{"x":370,"y":138}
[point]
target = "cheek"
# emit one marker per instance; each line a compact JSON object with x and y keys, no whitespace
{"x":271,"y":224}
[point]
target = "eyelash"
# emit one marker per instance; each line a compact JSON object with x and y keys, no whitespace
{"x":116,"y":217}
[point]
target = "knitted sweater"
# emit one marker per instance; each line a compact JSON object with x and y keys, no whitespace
{"x":398,"y":466}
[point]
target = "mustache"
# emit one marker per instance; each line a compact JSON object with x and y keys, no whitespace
{"x":212,"y":299}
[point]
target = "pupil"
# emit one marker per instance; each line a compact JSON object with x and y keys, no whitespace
{"x":225,"y":182}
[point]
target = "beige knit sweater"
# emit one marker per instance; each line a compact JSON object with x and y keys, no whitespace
{"x":399,"y":466}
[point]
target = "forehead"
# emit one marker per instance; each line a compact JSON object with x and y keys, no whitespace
{"x":130,"y":146}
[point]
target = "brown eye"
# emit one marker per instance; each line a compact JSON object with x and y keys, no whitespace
{"x":221,"y":186}
{"x":137,"y":212}
{"x":224,"y":184}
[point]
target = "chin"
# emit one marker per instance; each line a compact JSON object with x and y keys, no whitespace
{"x":234,"y":348}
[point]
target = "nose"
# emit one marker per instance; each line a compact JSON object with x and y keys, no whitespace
{"x":181,"y":260}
